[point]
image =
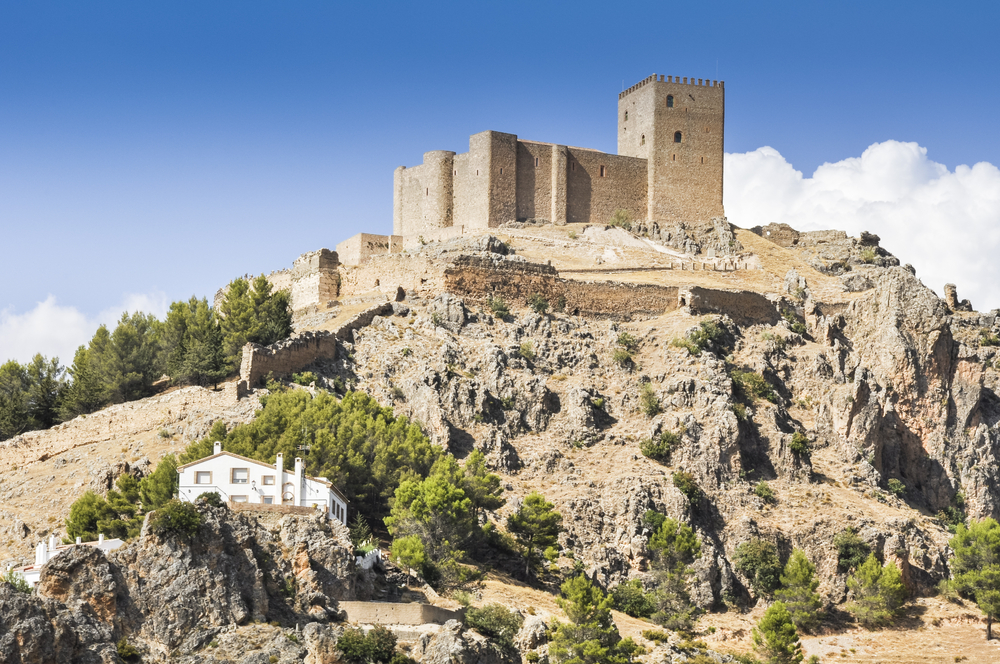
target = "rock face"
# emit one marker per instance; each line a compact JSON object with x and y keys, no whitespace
{"x":175,"y":594}
{"x":452,"y":645}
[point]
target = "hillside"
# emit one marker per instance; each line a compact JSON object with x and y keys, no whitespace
{"x":853,"y":353}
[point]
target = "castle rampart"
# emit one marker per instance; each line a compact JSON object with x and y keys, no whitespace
{"x":668,"y":167}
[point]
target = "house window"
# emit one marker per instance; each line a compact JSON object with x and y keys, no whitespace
{"x":203,"y":477}
{"x":677,"y":137}
{"x":240,"y":476}
{"x":670,"y":101}
{"x":238,"y":499}
{"x":642,"y":140}
{"x":267,"y":500}
{"x":267,"y":480}
{"x":604,"y":171}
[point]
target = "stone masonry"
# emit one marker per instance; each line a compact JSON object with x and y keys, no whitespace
{"x":668,"y":168}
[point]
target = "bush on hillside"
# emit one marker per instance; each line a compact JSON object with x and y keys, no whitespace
{"x":175,"y":518}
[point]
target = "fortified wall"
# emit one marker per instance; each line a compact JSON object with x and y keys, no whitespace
{"x":668,"y":168}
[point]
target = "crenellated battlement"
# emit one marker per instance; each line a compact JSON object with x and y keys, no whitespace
{"x":696,"y":82}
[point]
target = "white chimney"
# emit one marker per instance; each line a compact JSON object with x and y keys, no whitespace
{"x":52,"y":542}
{"x":79,"y":540}
{"x":217,"y":448}
{"x":40,"y":553}
{"x":279,"y":478}
{"x":100,"y":539}
{"x":298,"y":481}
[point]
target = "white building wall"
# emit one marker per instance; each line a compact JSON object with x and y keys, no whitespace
{"x":259,"y":484}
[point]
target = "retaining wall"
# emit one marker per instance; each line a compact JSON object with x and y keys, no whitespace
{"x":275,"y":509}
{"x":744,"y":307}
{"x":389,"y":613}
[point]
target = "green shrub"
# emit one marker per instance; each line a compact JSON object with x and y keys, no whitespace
{"x":538,"y":304}
{"x":797,"y":326}
{"x":779,"y":342}
{"x":653,"y":520}
{"x":597,"y":403}
{"x":571,"y":235}
{"x":507,"y":403}
{"x":684,"y":481}
{"x":527,"y":350}
{"x":621,"y":357}
{"x":305,"y":378}
{"x":463,"y":597}
{"x":628,"y":342}
{"x":775,"y":637}
{"x":379,"y":645}
{"x":800,"y":444}
{"x":987,"y":338}
{"x":896,"y":487}
{"x":436,"y":319}
{"x":532,"y":657}
{"x":212,"y":498}
{"x":495,"y":621}
{"x":630,"y":598}
{"x":499,"y":307}
{"x":695,"y":341}
{"x":16,"y":581}
{"x":175,"y":518}
{"x":851,"y":550}
{"x":406,"y":352}
{"x":660,"y":448}
{"x":751,"y":386}
{"x":126,"y":650}
{"x":622,"y":219}
{"x":164,"y":433}
{"x":758,"y":561}
{"x":868,"y":255}
{"x":649,"y":403}
{"x":765,"y":493}
{"x":656,"y":635}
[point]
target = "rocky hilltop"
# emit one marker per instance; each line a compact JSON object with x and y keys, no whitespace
{"x":832,"y":374}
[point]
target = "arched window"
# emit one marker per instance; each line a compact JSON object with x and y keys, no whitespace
{"x":670,"y":101}
{"x":642,"y":141}
{"x":677,"y":137}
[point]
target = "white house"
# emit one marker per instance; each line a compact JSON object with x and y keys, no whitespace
{"x":239,"y":479}
{"x":45,"y":552}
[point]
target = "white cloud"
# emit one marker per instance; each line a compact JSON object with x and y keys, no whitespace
{"x":945,"y":223}
{"x":55,"y":330}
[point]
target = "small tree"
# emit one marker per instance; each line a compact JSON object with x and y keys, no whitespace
{"x":378,"y":646}
{"x":798,"y":591}
{"x":674,"y":546}
{"x":976,"y":567}
{"x":684,"y":481}
{"x":16,"y":581}
{"x":175,"y":518}
{"x":592,"y":636}
{"x":408,"y":552}
{"x":538,"y":303}
{"x":851,"y":550}
{"x":878,"y":592}
{"x":536,"y":526}
{"x":159,"y":486}
{"x":775,"y":637}
{"x":630,"y":598}
{"x":757,"y":559}
{"x":649,"y":403}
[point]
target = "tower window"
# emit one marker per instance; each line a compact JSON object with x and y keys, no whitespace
{"x":703,"y":160}
{"x":670,"y":101}
{"x":501,"y":171}
{"x":677,"y":137}
{"x":427,"y":192}
{"x":573,"y":166}
{"x":674,"y":158}
{"x":626,"y":116}
{"x":642,"y":141}
{"x":604,"y":171}
{"x":536,"y":161}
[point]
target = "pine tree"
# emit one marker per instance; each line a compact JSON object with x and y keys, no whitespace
{"x":85,"y":393}
{"x":15,"y":417}
{"x":251,"y":312}
{"x":480,"y":485}
{"x":674,"y":546}
{"x":775,"y":637}
{"x":159,"y":486}
{"x":592,"y":636}
{"x":536,"y":526}
{"x":45,"y":390}
{"x":976,"y":567}
{"x":878,"y":592}
{"x":798,"y":591}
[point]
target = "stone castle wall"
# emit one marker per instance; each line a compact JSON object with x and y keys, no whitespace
{"x":315,"y":279}
{"x":359,"y":248}
{"x":653,"y":177}
{"x":744,"y":307}
{"x":685,"y":175}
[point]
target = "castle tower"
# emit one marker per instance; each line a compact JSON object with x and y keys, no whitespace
{"x":677,"y":126}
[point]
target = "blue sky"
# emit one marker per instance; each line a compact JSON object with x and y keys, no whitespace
{"x":151,"y":151}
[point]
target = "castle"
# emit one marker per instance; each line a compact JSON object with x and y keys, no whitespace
{"x":668,"y":169}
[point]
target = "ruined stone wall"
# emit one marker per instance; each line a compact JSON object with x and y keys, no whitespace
{"x":315,"y":281}
{"x":300,"y":350}
{"x":359,"y":248}
{"x":286,"y":356}
{"x":479,"y":278}
{"x":685,"y":175}
{"x":392,"y":613}
{"x":598,"y":184}
{"x":385,"y":273}
{"x":744,"y":307}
